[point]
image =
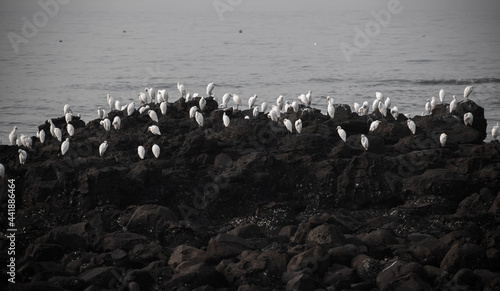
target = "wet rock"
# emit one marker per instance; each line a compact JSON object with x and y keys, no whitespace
{"x":344,"y":254}
{"x":429,"y":251}
{"x":300,"y":282}
{"x":185,"y":253}
{"x":225,"y":246}
{"x":123,"y":240}
{"x":467,"y":255}
{"x":366,"y":268}
{"x":314,"y":260}
{"x":193,"y":276}
{"x":326,"y":235}
{"x":150,"y":218}
{"x":401,"y":275}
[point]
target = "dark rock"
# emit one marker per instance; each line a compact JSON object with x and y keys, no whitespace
{"x":123,"y":240}
{"x":468,"y":255}
{"x":401,"y":275}
{"x":150,"y":218}
{"x":465,"y":279}
{"x":248,"y":231}
{"x":185,"y":253}
{"x":193,"y":276}
{"x":324,"y":235}
{"x":314,"y":260}
{"x":225,"y":246}
{"x":300,"y":282}
{"x":344,"y":254}
{"x":366,"y":268}
{"x":429,"y":251}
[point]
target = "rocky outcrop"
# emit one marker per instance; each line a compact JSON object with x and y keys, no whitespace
{"x":255,"y":207}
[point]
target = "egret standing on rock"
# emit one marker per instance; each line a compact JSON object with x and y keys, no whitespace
{"x":68,"y":117}
{"x":156,"y":151}
{"x":225,"y":120}
{"x":412,"y":126}
{"x":433,"y":102}
{"x":331,"y":110}
{"x":106,"y":123}
{"x":453,"y":104}
{"x":41,"y":135}
{"x":58,"y":133}
{"x":364,"y":142}
{"x":199,"y":118}
{"x":309,"y":97}
{"x":374,"y":125}
{"x":13,"y":136}
{"x":494,"y":132}
{"x":163,"y":108}
{"x":152,"y":114}
{"x":202,"y":103}
{"x":279,"y":102}
{"x":441,"y":96}
{"x":467,"y":92}
{"x":382,"y":109}
{"x":102,"y":148}
{"x":256,"y":111}
{"x":428,"y":108}
{"x":236,"y":100}
{"x":65,"y":146}
{"x":225,"y":100}
{"x":100,"y":113}
{"x":342,"y":133}
{"x":298,"y":125}
{"x":303,"y":99}
{"x":192,"y":112}
{"x":251,"y":101}
{"x":181,"y":89}
{"x":143,"y":98}
{"x":395,"y":112}
{"x":387,"y":102}
{"x":111,"y":102}
{"x":468,"y":118}
{"x":154,"y":130}
{"x":288,"y":124}
{"x":67,"y":109}
{"x":295,"y":106}
{"x":117,"y":122}
{"x":23,"y":156}
{"x":163,"y":94}
{"x":379,"y":96}
{"x":210,"y":87}
{"x":442,"y":139}
{"x":141,"y":151}
{"x":130,"y":108}
{"x":70,"y":129}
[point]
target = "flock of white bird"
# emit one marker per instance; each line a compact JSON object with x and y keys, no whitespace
{"x":195,"y":112}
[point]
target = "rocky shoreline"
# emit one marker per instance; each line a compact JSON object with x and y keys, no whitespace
{"x":252,"y":206}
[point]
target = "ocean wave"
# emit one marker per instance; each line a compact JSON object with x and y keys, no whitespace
{"x":440,"y":81}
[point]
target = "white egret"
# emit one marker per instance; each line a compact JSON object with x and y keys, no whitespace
{"x":195,"y":95}
{"x":2,"y":171}
{"x":181,"y":89}
{"x":118,"y":105}
{"x":111,"y":102}
{"x":102,"y":148}
{"x":453,"y":104}
{"x":106,"y":123}
{"x":330,"y":100}
{"x":68,"y":117}
{"x":382,"y":109}
{"x":23,"y":156}
{"x":309,"y":97}
{"x":433,"y":102}
{"x":331,"y":110}
{"x":28,"y":141}
{"x":441,"y":96}
{"x":287,"y":106}
{"x":251,"y":101}
{"x":387,"y":102}
{"x":117,"y":122}
{"x":225,"y":99}
{"x":412,"y":126}
{"x":199,"y":118}
{"x":154,"y":130}
{"x":163,"y":107}
{"x":65,"y":146}
{"x":364,"y":142}
{"x":395,"y":112}
{"x":163,"y":94}
{"x":19,"y":142}
{"x":467,"y":92}
{"x":256,"y":111}
{"x":192,"y":112}
{"x":142,"y":109}
{"x":273,"y":115}
{"x":263,"y":107}
{"x":279,"y":102}
{"x":13,"y":136}
{"x":202,"y":103}
{"x":141,"y":151}
{"x":468,"y":118}
{"x":374,"y":125}
{"x":288,"y":124}
{"x":101,"y":113}
{"x":58,"y":133}
{"x":152,"y":114}
{"x":190,"y":97}
{"x":210,"y":87}
{"x":225,"y":120}
{"x":150,"y":94}
{"x":364,"y":108}
{"x":143,"y":98}
{"x":52,"y":127}
{"x":247,"y":117}
{"x":356,"y":107}
{"x":130,"y":108}
{"x":67,"y":109}
{"x":379,"y":96}
{"x":494,"y":132}
{"x":303,"y":99}
{"x":156,"y":151}
{"x":41,"y":135}
{"x":442,"y":139}
{"x":295,"y":106}
{"x":236,"y":100}
{"x":298,"y":125}
{"x":70,"y":129}
{"x":342,"y":133}
{"x":375,"y":104}
{"x":428,"y":108}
